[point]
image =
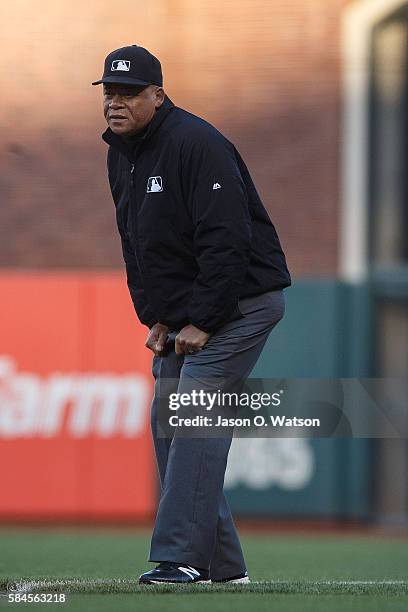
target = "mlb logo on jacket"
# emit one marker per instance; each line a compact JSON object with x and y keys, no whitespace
{"x":154,"y":184}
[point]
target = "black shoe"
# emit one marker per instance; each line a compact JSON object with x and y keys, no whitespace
{"x":239,"y":579}
{"x":174,"y":573}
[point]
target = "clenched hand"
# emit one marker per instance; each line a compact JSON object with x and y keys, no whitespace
{"x":157,"y":338}
{"x":190,"y":340}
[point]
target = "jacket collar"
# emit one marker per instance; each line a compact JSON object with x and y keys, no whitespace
{"x":129,"y":146}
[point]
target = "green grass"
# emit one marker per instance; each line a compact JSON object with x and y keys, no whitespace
{"x":99,"y":569}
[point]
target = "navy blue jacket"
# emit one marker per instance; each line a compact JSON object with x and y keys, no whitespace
{"x":195,"y":234}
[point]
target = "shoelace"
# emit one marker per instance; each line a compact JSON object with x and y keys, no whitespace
{"x":170,"y":565}
{"x":167,"y":565}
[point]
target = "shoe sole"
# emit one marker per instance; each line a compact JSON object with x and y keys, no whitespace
{"x":170,"y":582}
{"x":244,"y":580}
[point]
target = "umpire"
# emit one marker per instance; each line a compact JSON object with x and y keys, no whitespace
{"x":206,"y":274}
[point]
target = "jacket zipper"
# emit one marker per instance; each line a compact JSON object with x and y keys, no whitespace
{"x":132,"y":201}
{"x":129,"y":206}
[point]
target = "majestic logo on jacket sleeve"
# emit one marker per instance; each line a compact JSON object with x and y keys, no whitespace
{"x":154,"y":183}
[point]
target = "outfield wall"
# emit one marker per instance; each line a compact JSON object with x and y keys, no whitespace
{"x":75,"y":391}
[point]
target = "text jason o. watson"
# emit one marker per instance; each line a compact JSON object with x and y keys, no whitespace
{"x":257,"y":421}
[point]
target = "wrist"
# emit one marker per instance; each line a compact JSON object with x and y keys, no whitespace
{"x":161,"y":326}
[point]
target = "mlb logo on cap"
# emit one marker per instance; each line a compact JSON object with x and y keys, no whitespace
{"x":121,"y":65}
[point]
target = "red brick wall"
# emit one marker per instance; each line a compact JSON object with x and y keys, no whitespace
{"x":266,"y":73}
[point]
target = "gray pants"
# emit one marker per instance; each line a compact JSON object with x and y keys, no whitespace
{"x":194,"y":523}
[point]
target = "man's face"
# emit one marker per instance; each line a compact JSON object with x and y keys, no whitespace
{"x":129,"y":108}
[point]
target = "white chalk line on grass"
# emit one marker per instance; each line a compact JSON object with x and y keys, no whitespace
{"x":29,"y":585}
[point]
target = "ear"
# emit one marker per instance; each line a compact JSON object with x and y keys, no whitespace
{"x":159,"y":94}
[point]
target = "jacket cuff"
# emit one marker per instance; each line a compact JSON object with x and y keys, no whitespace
{"x":204,"y":328}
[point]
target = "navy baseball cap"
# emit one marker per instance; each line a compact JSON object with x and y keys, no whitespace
{"x":132,"y":65}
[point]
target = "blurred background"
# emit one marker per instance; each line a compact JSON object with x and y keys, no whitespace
{"x":313,"y":93}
